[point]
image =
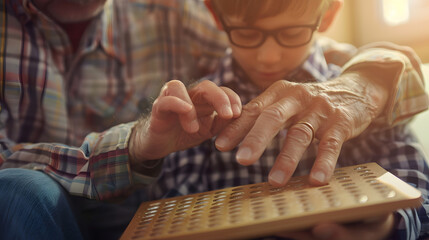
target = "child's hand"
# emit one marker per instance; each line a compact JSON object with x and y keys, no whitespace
{"x":371,"y":229}
{"x":183,"y":118}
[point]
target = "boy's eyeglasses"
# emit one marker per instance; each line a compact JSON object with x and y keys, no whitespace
{"x":252,"y":37}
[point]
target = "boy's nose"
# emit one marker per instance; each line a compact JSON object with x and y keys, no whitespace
{"x":269,"y":52}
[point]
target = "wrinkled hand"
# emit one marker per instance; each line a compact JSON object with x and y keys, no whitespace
{"x":183,"y":118}
{"x":371,"y":229}
{"x":338,"y":110}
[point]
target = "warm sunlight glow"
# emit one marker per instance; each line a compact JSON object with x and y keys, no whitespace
{"x":396,"y":12}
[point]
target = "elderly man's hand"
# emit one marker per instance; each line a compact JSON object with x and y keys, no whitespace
{"x":183,"y":118}
{"x":332,"y":112}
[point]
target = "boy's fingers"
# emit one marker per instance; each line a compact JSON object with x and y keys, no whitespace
{"x":164,"y":107}
{"x":234,"y":100}
{"x":169,"y":104}
{"x":209,"y":93}
{"x":176,"y":88}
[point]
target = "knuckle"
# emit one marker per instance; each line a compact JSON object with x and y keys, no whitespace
{"x":174,"y":83}
{"x":274,"y":113}
{"x":226,"y":90}
{"x":278,"y":87}
{"x":324,"y":102}
{"x":303,"y":93}
{"x":282,"y":84}
{"x":233,"y":128}
{"x":287,"y":160}
{"x":171,"y":86}
{"x":156,"y":103}
{"x":322,"y":98}
{"x":299,"y":135}
{"x":253,"y":108}
{"x":331,"y":144}
{"x":344,"y":115}
{"x":200,"y":87}
{"x":206,"y":83}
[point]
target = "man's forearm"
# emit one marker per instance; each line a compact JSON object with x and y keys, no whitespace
{"x":393,"y":72}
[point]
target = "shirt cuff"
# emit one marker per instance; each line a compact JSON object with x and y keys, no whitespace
{"x":407,"y":95}
{"x":145,"y":172}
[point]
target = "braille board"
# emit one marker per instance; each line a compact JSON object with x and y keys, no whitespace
{"x":354,"y":193}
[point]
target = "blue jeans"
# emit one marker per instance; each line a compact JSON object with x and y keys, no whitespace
{"x":34,"y":206}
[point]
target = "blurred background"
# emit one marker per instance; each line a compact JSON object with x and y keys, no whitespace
{"x":405,"y":22}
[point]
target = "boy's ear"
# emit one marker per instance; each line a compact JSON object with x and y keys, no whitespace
{"x":209,"y":5}
{"x":329,"y":16}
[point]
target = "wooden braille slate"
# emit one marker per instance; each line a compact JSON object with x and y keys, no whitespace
{"x":354,"y":193}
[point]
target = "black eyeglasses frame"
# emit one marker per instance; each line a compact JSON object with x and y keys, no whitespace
{"x":266,"y":33}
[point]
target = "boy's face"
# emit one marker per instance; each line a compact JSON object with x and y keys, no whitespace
{"x":270,"y":61}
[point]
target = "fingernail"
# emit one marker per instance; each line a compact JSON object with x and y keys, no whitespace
{"x":221,"y":142}
{"x":319,"y":176}
{"x":243,"y":154}
{"x":277,"y":176}
{"x":226,"y":111}
{"x":236,"y":110}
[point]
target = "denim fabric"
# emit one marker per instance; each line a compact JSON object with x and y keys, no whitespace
{"x":102,"y":220}
{"x":34,"y":206}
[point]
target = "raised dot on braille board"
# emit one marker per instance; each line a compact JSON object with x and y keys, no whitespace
{"x":257,"y":210}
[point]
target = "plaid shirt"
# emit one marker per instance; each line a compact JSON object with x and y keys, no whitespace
{"x":60,"y":110}
{"x":203,"y":168}
{"x":56,"y":103}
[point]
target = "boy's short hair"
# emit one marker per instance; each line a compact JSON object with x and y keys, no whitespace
{"x":251,"y":10}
